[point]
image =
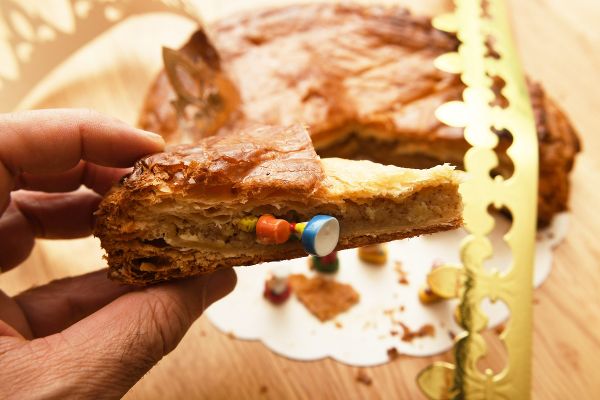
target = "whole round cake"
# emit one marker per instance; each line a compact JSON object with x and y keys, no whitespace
{"x":361,"y":77}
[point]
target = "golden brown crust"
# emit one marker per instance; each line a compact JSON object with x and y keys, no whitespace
{"x":256,"y":161}
{"x":363,"y":79}
{"x":559,"y":145}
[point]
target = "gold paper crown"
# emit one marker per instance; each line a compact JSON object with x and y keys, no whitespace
{"x":31,"y":46}
{"x":487,"y":54}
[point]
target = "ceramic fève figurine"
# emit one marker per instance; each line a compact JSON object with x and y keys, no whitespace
{"x":374,"y":254}
{"x":319,"y":236}
{"x":277,"y":286}
{"x":328,"y":264}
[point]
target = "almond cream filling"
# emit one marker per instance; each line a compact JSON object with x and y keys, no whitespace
{"x":186,"y":231}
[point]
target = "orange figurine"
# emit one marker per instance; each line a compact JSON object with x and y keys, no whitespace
{"x":271,"y":230}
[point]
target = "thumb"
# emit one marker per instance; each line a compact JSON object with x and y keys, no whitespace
{"x":109,"y":351}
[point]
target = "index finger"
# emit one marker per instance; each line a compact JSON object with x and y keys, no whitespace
{"x":50,"y":141}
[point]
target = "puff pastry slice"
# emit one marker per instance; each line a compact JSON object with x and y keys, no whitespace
{"x":178,"y":213}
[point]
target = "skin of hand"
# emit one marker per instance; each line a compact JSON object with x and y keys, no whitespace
{"x":86,"y":336}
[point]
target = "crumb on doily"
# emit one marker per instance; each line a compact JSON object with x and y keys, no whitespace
{"x":398,"y":267}
{"x":452,"y":335}
{"x":338,"y":325}
{"x":402,"y":308}
{"x":324,"y":298}
{"x":425,"y":330}
{"x":368,"y":325}
{"x":363,"y":377}
{"x":392,"y":353}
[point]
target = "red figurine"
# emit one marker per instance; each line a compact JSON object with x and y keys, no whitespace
{"x":277,"y":286}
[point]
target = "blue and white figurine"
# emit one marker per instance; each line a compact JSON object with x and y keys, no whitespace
{"x":320,"y":235}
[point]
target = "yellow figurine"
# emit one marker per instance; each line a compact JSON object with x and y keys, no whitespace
{"x":248,"y":223}
{"x":374,"y":254}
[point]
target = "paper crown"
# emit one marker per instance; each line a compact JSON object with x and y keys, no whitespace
{"x":487,"y":52}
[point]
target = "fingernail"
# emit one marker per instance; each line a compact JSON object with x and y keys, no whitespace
{"x":153,"y":136}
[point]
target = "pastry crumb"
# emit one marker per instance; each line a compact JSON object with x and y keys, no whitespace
{"x":392,"y":353}
{"x":409,"y":335}
{"x":338,"y":325}
{"x":368,"y":325}
{"x":324,"y":298}
{"x":402,"y":279}
{"x":363,"y":377}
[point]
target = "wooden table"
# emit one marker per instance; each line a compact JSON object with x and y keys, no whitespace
{"x":560,"y":46}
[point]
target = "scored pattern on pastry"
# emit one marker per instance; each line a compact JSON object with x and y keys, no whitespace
{"x":32,"y":45}
{"x":487,"y":55}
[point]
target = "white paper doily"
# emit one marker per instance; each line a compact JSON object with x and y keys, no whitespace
{"x":363,"y":335}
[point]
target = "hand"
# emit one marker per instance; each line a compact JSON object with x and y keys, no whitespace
{"x":82,"y":337}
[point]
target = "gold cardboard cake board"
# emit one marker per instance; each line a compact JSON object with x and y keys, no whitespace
{"x":486,"y":54}
{"x":32,"y":45}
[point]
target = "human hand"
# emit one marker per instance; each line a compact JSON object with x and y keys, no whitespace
{"x":81,"y":337}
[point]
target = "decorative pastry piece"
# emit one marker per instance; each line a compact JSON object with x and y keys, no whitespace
{"x":205,"y":96}
{"x":192,"y":210}
{"x":363,"y":79}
